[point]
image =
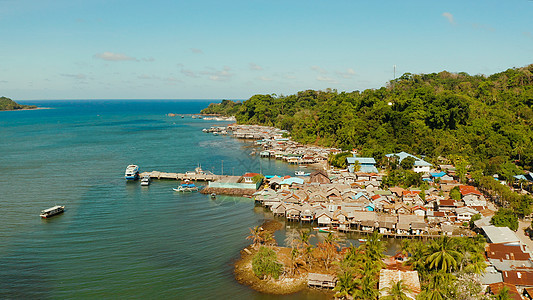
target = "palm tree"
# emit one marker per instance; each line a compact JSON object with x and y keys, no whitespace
{"x":374,"y":247}
{"x":367,"y":288}
{"x":397,"y":291}
{"x":503,"y":294}
{"x":345,"y":285}
{"x":256,"y":235}
{"x":438,"y":287}
{"x":306,"y":247}
{"x":442,"y":254}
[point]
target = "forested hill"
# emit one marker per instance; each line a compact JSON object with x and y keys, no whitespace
{"x":479,"y":120}
{"x":8,"y":104}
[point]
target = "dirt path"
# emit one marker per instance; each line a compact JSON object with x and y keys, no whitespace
{"x":522,"y":225}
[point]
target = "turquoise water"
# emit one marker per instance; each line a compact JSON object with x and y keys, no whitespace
{"x":118,"y":239}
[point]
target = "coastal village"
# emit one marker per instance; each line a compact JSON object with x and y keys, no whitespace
{"x":354,"y":199}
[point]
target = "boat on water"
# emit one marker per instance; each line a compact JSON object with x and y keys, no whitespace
{"x":186,"y":186}
{"x":323,"y":229}
{"x":362,"y":240}
{"x":145,"y":181}
{"x":301,"y":173}
{"x":132,"y":172}
{"x":213,"y":196}
{"x":47,"y":213}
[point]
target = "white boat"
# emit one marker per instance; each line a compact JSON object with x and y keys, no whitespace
{"x":132,"y":172}
{"x":145,"y":181}
{"x":47,"y":213}
{"x":301,"y":173}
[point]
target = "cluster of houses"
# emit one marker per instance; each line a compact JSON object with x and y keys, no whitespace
{"x":509,"y":264}
{"x":255,"y":132}
{"x":356,"y":202}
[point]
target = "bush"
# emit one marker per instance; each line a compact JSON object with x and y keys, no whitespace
{"x":265,"y":264}
{"x":505,"y":217}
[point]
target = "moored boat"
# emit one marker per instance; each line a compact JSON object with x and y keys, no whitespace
{"x":145,"y":181}
{"x":132,"y":172}
{"x":186,"y":186}
{"x":323,"y":229}
{"x":213,"y":196}
{"x":301,"y":173}
{"x":47,"y":213}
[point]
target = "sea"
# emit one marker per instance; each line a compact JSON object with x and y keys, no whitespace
{"x":116,"y":239}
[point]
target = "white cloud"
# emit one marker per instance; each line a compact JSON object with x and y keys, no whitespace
{"x":110,"y":56}
{"x":319,"y":69}
{"x":349,"y":73}
{"x":449,"y":17}
{"x":218,"y":75}
{"x":326,"y":79}
{"x":148,"y":59}
{"x":482,"y":27}
{"x":75,"y":76}
{"x":189,"y":73}
{"x":197,"y":51}
{"x":263,"y":78}
{"x":255,"y":67}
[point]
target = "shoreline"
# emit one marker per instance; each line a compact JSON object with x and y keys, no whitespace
{"x":243,"y":273}
{"x":36,"y":108}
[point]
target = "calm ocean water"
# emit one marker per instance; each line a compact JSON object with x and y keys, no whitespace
{"x":118,"y":239}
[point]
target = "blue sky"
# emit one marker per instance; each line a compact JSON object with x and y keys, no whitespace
{"x":117,"y":49}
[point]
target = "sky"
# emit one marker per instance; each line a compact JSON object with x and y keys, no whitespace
{"x":117,"y":49}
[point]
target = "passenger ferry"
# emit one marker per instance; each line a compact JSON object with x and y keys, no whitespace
{"x":132,"y":172}
{"x":47,"y":213}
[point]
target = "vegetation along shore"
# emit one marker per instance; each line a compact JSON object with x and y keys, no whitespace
{"x":8,"y":104}
{"x":444,"y":157}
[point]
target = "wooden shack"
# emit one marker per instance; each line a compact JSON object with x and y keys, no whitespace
{"x":325,"y":281}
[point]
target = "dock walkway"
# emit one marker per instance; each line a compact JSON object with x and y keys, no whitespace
{"x":180,"y":176}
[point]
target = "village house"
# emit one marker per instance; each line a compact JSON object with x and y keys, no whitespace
{"x":366,"y":164}
{"x":389,"y":277}
{"x":249,"y":177}
{"x":464,"y":214}
{"x":471,"y":196}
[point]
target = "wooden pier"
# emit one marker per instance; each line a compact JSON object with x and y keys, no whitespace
{"x":180,"y":176}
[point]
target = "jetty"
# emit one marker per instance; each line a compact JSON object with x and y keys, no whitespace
{"x":180,"y":176}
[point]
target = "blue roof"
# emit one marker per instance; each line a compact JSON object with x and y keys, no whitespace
{"x":359,"y":195}
{"x":361,"y":160}
{"x":436,"y":175}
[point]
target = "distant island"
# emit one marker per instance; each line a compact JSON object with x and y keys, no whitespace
{"x":8,"y":104}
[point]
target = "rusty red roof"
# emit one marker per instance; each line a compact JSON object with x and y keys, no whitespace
{"x":468,"y":189}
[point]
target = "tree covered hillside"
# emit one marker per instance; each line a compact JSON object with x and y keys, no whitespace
{"x":8,"y":104}
{"x":483,"y":121}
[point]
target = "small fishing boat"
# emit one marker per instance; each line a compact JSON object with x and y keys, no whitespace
{"x":362,"y":240}
{"x":323,"y":229}
{"x":145,"y":181}
{"x":132,"y":172}
{"x":186,"y":186}
{"x":47,"y":213}
{"x":301,"y":173}
{"x":213,"y":196}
